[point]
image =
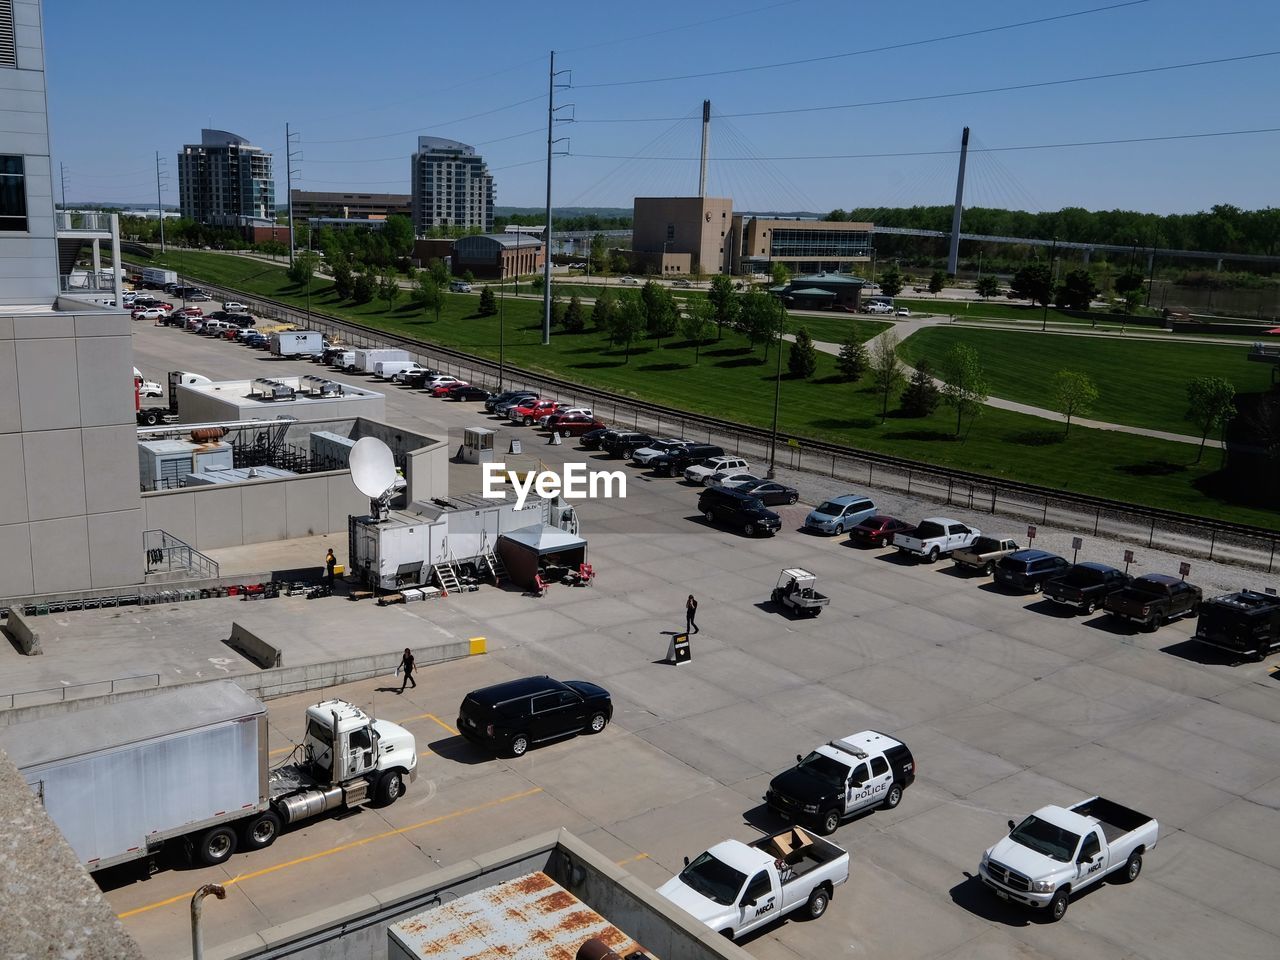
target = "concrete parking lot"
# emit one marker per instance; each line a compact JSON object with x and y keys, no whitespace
{"x":1007,"y":703}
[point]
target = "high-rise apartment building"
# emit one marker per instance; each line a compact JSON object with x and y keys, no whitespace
{"x":452,"y":187}
{"x":224,"y":180}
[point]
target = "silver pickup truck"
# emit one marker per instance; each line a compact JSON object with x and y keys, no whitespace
{"x":982,"y":554}
{"x":1057,"y":851}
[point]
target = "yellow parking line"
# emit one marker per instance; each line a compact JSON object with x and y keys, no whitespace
{"x":638,"y":856}
{"x":442,"y":723}
{"x":339,"y":849}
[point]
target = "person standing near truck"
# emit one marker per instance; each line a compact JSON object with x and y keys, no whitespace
{"x":330,"y":562}
{"x":406,"y":666}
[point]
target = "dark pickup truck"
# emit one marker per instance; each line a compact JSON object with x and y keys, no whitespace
{"x":1086,"y":585}
{"x":1154,"y":599}
{"x":673,"y":462}
{"x":1245,"y":623}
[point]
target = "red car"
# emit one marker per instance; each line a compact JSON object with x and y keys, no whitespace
{"x":574,"y":425}
{"x":878,"y":531}
{"x":528,"y":413}
{"x":442,"y":389}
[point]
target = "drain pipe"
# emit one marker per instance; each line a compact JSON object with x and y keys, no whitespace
{"x":197,"y":906}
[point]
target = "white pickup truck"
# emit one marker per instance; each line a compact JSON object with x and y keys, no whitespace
{"x":1057,"y":851}
{"x":936,"y":537}
{"x":736,"y":887}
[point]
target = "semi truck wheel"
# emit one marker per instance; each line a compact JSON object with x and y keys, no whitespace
{"x":261,"y":831}
{"x":390,"y":787}
{"x":216,"y":846}
{"x":1058,"y":905}
{"x":818,"y":901}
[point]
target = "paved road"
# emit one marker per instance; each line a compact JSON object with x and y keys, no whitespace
{"x":1007,"y":702}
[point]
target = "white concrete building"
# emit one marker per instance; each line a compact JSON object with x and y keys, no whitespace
{"x":452,"y":186}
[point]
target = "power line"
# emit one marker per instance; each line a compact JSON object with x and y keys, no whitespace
{"x":446,"y":123}
{"x":858,"y":53}
{"x":631,"y":38}
{"x":931,"y":153}
{"x":1030,"y":85}
{"x":402,"y":157}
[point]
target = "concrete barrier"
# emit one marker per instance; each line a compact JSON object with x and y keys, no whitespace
{"x":246,"y":642}
{"x":24,"y":634}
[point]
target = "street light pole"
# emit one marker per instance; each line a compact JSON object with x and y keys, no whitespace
{"x":1044,"y":320}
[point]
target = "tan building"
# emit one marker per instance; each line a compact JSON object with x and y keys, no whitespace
{"x":681,"y":235}
{"x":349,"y":206}
{"x":803,"y":246}
{"x":497,"y":256}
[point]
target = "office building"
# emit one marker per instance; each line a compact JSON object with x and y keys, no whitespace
{"x":451,"y":187}
{"x":225,"y":181}
{"x":309,"y":204}
{"x":497,"y":256}
{"x":675,"y":236}
{"x":803,"y":246}
{"x":70,"y":510}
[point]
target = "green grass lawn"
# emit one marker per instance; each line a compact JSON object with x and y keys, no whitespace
{"x":1140,"y":382}
{"x":733,"y":381}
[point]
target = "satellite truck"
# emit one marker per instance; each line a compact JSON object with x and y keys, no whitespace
{"x":189,"y":766}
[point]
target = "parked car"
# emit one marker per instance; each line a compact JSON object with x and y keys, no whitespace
{"x":904,"y":312}
{"x":1086,"y":586}
{"x":681,"y":283}
{"x":440,"y":380}
{"x":416,"y":380}
{"x":562,"y":411}
{"x":936,"y":537}
{"x":677,"y":459}
{"x":1246,"y":624}
{"x":645,"y":455}
{"x":736,"y":509}
{"x":877,"y":307}
{"x":256,"y":340}
{"x":404,"y":373}
{"x":194,"y":324}
{"x":878,"y":530}
{"x":592,"y":439}
{"x":628,"y":280}
{"x":505,"y":396}
{"x":149,"y":313}
{"x":842,"y":778}
{"x":1027,"y":570}
{"x":576,"y":425}
{"x":460,"y":286}
{"x":1059,"y":851}
{"x":503,"y":409}
{"x":465,"y":391}
{"x":1153,"y":599}
{"x":698,"y":472}
{"x":624,"y":443}
{"x":511,"y":717}
{"x":770,"y":492}
{"x":982,"y":554}
{"x":197,"y":296}
{"x":234,"y":306}
{"x":839,"y":514}
{"x":730,"y":479}
{"x":531,"y":410}
{"x":442,"y":389}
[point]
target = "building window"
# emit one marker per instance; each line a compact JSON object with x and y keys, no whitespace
{"x":671,"y":231}
{"x":13,"y":194}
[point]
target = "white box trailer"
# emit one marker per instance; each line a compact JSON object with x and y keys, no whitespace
{"x":298,"y":343}
{"x":365,"y":360}
{"x":155,"y":277}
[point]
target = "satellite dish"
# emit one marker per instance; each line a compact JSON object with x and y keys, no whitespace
{"x":373,"y":470}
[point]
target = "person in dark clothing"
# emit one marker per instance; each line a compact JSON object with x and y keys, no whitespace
{"x":690,"y":611}
{"x":330,"y":561}
{"x":406,"y":667}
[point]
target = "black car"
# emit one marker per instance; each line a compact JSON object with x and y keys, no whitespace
{"x":418,"y":379}
{"x":673,"y":463}
{"x":592,"y":439}
{"x":506,"y":396}
{"x":1027,"y":570}
{"x":623,"y":443}
{"x":464,"y":391}
{"x":728,"y":506}
{"x":1086,"y":586}
{"x":513,"y":716}
{"x":769,"y":492}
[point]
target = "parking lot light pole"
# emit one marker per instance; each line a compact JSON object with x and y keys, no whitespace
{"x":1044,"y":320}
{"x":777,"y":394}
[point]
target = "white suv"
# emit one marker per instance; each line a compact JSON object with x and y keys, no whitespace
{"x":234,"y":306}
{"x":699,"y":472}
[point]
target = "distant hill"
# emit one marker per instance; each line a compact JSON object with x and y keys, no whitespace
{"x":601,"y":212}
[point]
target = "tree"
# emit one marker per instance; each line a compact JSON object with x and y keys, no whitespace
{"x":574,"y":320}
{"x":397,"y":232}
{"x":599,"y":252}
{"x":388,"y":287}
{"x":760,"y":318}
{"x":618,"y":262}
{"x":891,"y":280}
{"x":627,"y":324}
{"x":963,"y":384}
{"x":1076,"y":292}
{"x":1073,"y":393}
{"x":602,"y":313}
{"x":921,"y":397}
{"x":1033,"y":282}
{"x":988,"y":286}
{"x":303,"y":268}
{"x":1210,"y":404}
{"x":853,"y":360}
{"x":488,"y":303}
{"x":837,"y":214}
{"x":660,"y":312}
{"x":780,"y":274}
{"x":802,"y":361}
{"x":1128,"y":281}
{"x":557,"y":311}
{"x":438,"y":272}
{"x":343,"y":281}
{"x":724,"y":303}
{"x":695,"y":324}
{"x":537,"y":283}
{"x":937,"y":280}
{"x":468,"y":276}
{"x":364,"y":287}
{"x":426,"y":294}
{"x":886,"y":369}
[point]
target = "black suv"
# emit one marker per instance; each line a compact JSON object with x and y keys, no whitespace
{"x":674,"y":462}
{"x":726,"y":505}
{"x":592,"y":439}
{"x":623,"y":443}
{"x":506,"y":396}
{"x":511,"y":717}
{"x":1027,"y":570}
{"x":1245,"y":623}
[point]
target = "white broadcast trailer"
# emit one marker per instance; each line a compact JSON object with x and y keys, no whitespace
{"x":298,"y":343}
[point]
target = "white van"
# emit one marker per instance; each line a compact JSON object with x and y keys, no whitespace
{"x":387,"y":369}
{"x":460,"y":286}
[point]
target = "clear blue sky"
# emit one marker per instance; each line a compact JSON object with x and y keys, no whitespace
{"x":127,"y":79}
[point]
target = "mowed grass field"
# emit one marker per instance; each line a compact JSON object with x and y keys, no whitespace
{"x":733,"y":381}
{"x":1140,"y":382}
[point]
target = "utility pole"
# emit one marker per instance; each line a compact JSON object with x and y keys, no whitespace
{"x":1044,"y":319}
{"x":706,"y":139}
{"x":62,"y":171}
{"x":159,"y":202}
{"x":288,"y":181}
{"x":953,"y":256}
{"x":552,"y":86}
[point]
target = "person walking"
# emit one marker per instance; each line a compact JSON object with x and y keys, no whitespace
{"x":690,"y":611}
{"x":406,"y":666}
{"x":330,"y":561}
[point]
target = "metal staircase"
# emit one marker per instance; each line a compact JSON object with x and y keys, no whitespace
{"x":492,"y":563}
{"x":447,"y":577}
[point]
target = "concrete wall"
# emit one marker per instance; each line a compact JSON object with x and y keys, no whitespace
{"x":256,"y":511}
{"x":426,"y":460}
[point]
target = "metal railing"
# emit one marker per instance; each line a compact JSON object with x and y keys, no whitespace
{"x":89,"y":221}
{"x":76,"y":691}
{"x":87,"y":281}
{"x":166,"y":553}
{"x":1164,"y":529}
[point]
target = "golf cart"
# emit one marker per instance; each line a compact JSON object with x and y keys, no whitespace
{"x":795,"y":592}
